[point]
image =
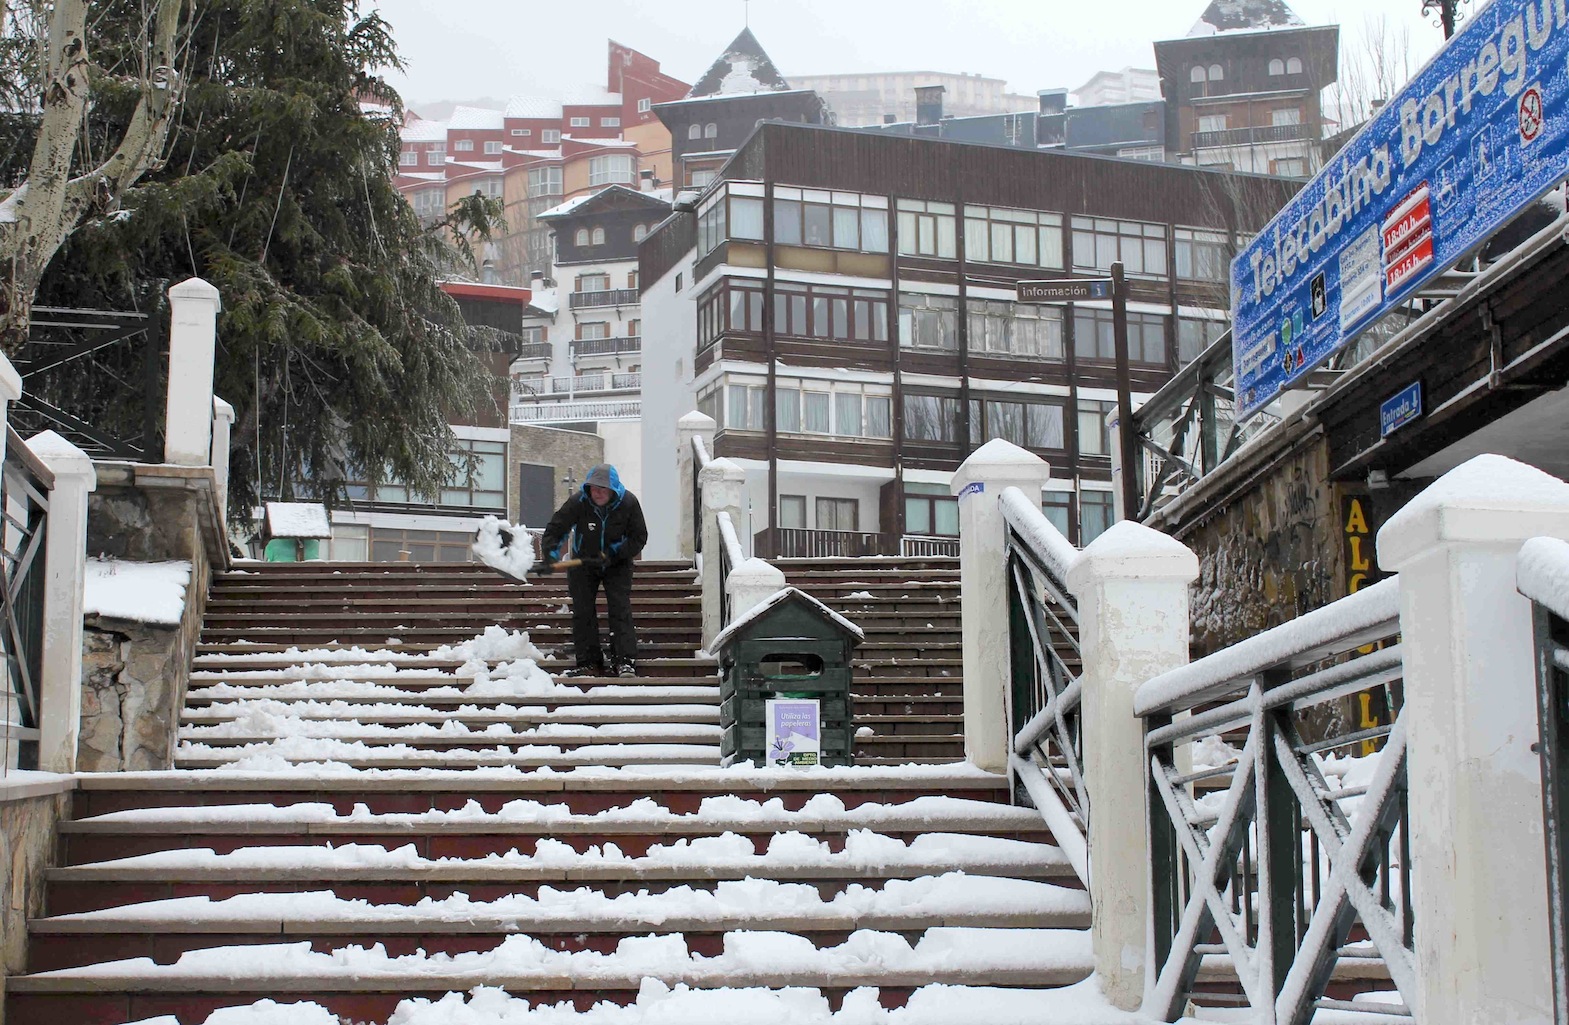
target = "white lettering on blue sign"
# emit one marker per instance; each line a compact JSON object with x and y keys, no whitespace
{"x":973,"y":488}
{"x":1399,"y":410}
{"x":1481,"y":132}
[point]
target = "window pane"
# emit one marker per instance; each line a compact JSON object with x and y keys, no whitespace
{"x":819,"y":317}
{"x":817,"y":226}
{"x":787,"y":409}
{"x":947,"y":516}
{"x":847,"y":415}
{"x":879,"y":412}
{"x":746,"y":217}
{"x":1056,"y":510}
{"x":1002,"y":243}
{"x":815,"y":415}
{"x":1026,"y":247}
{"x":874,"y":231}
{"x":792,"y":512}
{"x":918,"y":515}
{"x":928,"y":237}
{"x":947,"y":244}
{"x":841,"y":315}
{"x":1043,"y":426}
{"x":847,"y":227}
{"x":735,"y":407}
{"x":787,"y":222}
{"x":1095,"y":513}
{"x":977,"y":245}
{"x":754,"y":408}
{"x":798,"y":314}
{"x":863,"y":319}
{"x":922,"y":418}
{"x":1005,"y":420}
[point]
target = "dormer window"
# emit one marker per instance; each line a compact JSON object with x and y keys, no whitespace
{"x":581,"y":238}
{"x":1216,"y":73}
{"x":599,"y":236}
{"x":695,"y":132}
{"x":1277,"y":67}
{"x":1294,"y":66}
{"x":1196,"y":76}
{"x":711,"y":131}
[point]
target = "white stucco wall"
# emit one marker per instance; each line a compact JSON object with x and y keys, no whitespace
{"x":624,"y":450}
{"x":669,"y":340}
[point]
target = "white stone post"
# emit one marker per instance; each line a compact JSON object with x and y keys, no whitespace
{"x":693,"y":425}
{"x":752,"y":583}
{"x":193,"y":331}
{"x":10,"y":391}
{"x":65,"y":566}
{"x":222,"y":424}
{"x":983,"y":591}
{"x":1132,"y":588}
{"x":1478,"y":862}
{"x":724,"y":484}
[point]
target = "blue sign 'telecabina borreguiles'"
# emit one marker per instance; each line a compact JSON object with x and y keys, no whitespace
{"x":1477,"y":135}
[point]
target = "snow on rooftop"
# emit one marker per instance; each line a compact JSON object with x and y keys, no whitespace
{"x":297,"y":519}
{"x":570,"y":205}
{"x":420,"y":130}
{"x":744,"y":68}
{"x":142,"y":592}
{"x":476,"y":119}
{"x":590,"y":96}
{"x":546,"y":300}
{"x":537,"y":108}
{"x":1224,"y":16}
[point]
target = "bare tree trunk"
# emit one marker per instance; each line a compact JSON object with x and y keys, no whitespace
{"x":37,"y":217}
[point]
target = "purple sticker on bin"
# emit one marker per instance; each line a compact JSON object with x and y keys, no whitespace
{"x":794,"y":732}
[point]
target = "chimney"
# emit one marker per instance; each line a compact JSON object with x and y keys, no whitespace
{"x":1053,"y":101}
{"x":536,"y":279}
{"x":889,"y":119}
{"x":929,"y":103}
{"x":647,"y":180}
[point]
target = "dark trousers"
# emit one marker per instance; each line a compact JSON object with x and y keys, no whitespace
{"x":583,"y":583}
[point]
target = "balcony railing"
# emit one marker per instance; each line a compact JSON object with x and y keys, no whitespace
{"x":573,"y":412}
{"x":580,"y":384}
{"x":1249,"y":136}
{"x":533,"y":350}
{"x":607,"y":346}
{"x":604,"y":297}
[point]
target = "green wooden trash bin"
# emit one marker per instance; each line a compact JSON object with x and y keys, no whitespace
{"x":296,"y":532}
{"x":790,"y":646}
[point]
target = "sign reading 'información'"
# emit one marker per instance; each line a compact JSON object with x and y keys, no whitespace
{"x":1477,"y":135}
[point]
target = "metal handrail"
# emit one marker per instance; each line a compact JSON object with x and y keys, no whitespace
{"x":1044,"y":655}
{"x":1262,"y":846}
{"x":730,"y":556}
{"x":25,"y":486}
{"x":1543,"y":577}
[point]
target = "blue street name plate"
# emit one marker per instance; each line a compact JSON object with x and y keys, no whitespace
{"x":1477,"y":135}
{"x":1399,"y":410}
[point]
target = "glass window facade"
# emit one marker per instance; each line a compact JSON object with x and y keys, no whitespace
{"x":1099,"y":242}
{"x":1095,"y":339}
{"x":1026,"y":237}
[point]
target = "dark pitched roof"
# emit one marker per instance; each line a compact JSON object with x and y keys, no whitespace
{"x":1245,"y":16}
{"x":612,"y":197}
{"x":744,"y":68}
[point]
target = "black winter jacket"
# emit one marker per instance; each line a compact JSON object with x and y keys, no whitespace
{"x":614,"y":532}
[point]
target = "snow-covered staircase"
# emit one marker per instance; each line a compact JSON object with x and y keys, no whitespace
{"x":398,"y":825}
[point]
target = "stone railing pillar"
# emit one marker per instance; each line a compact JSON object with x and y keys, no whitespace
{"x":193,"y":335}
{"x":222,"y":424}
{"x":1475,"y":796}
{"x":10,"y":391}
{"x":693,"y":425}
{"x":983,"y":590}
{"x":65,"y":567}
{"x":724,"y":486}
{"x":752,"y":583}
{"x":1132,"y":589}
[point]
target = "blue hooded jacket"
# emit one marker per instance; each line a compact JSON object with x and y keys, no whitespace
{"x":614,"y":532}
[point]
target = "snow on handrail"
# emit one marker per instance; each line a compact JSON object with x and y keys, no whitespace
{"x":1037,"y":533}
{"x":700,"y":452}
{"x":1542,"y":573}
{"x":1370,"y":612}
{"x":728,"y":538}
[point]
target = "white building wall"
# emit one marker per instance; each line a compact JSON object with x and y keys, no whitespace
{"x":669,"y":342}
{"x":624,"y":451}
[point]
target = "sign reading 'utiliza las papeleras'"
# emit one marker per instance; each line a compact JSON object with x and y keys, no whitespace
{"x":1478,"y":134}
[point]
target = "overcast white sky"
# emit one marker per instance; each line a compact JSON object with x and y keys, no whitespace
{"x":467,"y":49}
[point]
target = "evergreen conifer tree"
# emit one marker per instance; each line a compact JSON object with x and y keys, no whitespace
{"x":342,"y":356}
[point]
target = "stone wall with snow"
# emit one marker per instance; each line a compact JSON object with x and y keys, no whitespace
{"x":134,"y":673}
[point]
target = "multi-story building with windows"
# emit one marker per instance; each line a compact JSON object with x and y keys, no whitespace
{"x":1244,"y":89}
{"x":581,"y":365}
{"x":843,"y":305}
{"x":742,"y":88}
{"x":541,"y":151}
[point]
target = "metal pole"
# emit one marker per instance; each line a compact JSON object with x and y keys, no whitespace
{"x":1126,"y":436}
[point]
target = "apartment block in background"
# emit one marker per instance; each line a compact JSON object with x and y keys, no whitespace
{"x":841,"y":302}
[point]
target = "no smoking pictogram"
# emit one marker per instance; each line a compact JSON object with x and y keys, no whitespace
{"x":1531,"y":116}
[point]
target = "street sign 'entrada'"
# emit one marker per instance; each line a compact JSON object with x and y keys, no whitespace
{"x":1478,"y":134}
{"x":1064,"y":290}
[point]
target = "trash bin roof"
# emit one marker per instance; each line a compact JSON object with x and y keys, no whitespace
{"x":772,"y":602}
